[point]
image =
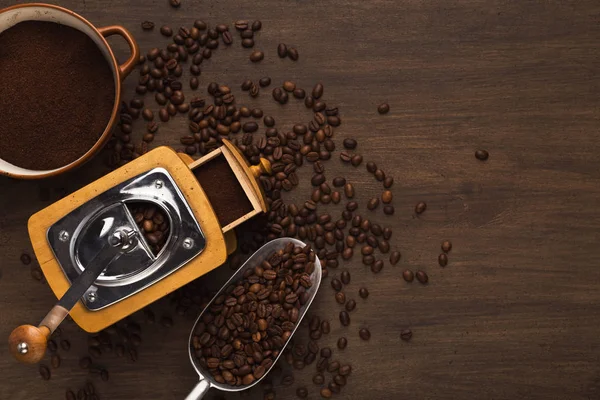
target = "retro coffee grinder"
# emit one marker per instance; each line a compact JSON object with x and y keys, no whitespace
{"x":99,"y":263}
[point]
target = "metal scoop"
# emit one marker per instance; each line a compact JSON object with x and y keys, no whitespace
{"x":206,"y":379}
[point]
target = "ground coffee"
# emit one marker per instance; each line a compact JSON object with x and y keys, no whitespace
{"x":56,"y":94}
{"x":223,"y":190}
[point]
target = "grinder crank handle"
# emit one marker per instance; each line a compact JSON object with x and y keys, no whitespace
{"x":27,"y":343}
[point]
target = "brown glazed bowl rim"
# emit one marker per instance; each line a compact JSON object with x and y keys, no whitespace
{"x":107,"y":131}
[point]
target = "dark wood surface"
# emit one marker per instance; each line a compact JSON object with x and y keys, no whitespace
{"x":516,"y":313}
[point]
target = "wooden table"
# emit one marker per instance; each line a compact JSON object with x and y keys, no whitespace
{"x":516,"y":312}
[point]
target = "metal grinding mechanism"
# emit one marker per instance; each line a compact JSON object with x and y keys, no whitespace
{"x":103,"y":266}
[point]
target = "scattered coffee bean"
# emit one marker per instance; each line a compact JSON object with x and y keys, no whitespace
{"x":325,"y":327}
{"x":408,"y":275}
{"x":388,"y":182}
{"x":356,"y":160}
{"x":342,"y":343}
{"x":292,"y":53}
{"x":282,"y":50}
{"x":350,"y":305}
{"x":364,"y":334}
{"x":443,"y":259}
{"x":318,"y":379}
{"x":25,"y":259}
{"x":350,"y":144}
{"x":383,"y":108}
{"x":395,"y":257}
{"x":336,"y":284}
{"x":257,"y":56}
{"x":345,"y":277}
{"x":406,"y":334}
{"x":55,"y":361}
{"x":65,"y":345}
{"x":373,"y":203}
{"x":44,"y":372}
{"x":326,"y":393}
{"x":388,"y":210}
{"x":377,"y":266}
{"x":344,"y":318}
{"x":349,"y":190}
{"x":420,"y":207}
{"x":147,"y":25}
{"x":482,"y":155}
{"x":340,"y":297}
{"x":363,"y":292}
{"x":386,"y":197}
{"x":175,"y":3}
{"x":422,"y":277}
{"x":446,"y":246}
{"x":302,"y":392}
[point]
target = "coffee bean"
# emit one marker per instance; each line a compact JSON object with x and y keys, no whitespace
{"x":364,"y":334}
{"x":388,"y":182}
{"x":289,"y":86}
{"x":371,"y":167}
{"x":377,"y":266}
{"x":302,"y":392}
{"x":175,"y":3}
{"x":247,"y":43}
{"x":350,"y":144}
{"x":25,"y":259}
{"x":349,"y":190}
{"x":340,"y":297}
{"x":420,"y":207}
{"x":482,"y":155}
{"x":147,"y":25}
{"x":339,"y":181}
{"x":52,"y":346}
{"x":356,"y":160}
{"x":317,"y":91}
{"x":264,"y":82}
{"x":379,"y":175}
{"x":257,"y":56}
{"x":65,"y":345}
{"x":422,"y":277}
{"x":340,"y":380}
{"x":368,"y":260}
{"x":388,"y":210}
{"x":406,"y":334}
{"x":345,"y":370}
{"x":336,"y":284}
{"x":282,"y":50}
{"x":326,"y":393}
{"x":318,"y":379}
{"x":345,"y":277}
{"x":250,"y":127}
{"x":299,"y":93}
{"x":373,"y":203}
{"x":387,"y":233}
{"x":325,"y":327}
{"x":347,"y":253}
{"x":342,"y":343}
{"x":292,"y":54}
{"x":408,"y":275}
{"x":366,"y":250}
{"x":386,"y":197}
{"x":350,"y":305}
{"x":147,"y":114}
{"x":443,"y":259}
{"x":44,"y":372}
{"x":446,"y":246}
{"x":383,"y":108}
{"x":344,"y":318}
{"x":395,"y":257}
{"x":55,"y":361}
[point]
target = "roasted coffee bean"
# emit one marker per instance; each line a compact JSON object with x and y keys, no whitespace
{"x":282,"y":50}
{"x":339,"y":182}
{"x":349,"y":190}
{"x":388,"y":210}
{"x":317,"y":91}
{"x":25,"y":259}
{"x":387,"y":233}
{"x":482,"y":155}
{"x":299,"y":93}
{"x":363,"y":292}
{"x":44,"y":372}
{"x":345,"y":156}
{"x":302,"y":392}
{"x":443,"y":259}
{"x":340,"y":297}
{"x":52,"y":346}
{"x":318,"y":379}
{"x":325,"y":327}
{"x":147,"y":114}
{"x":344,"y":318}
{"x":65,"y":345}
{"x":350,"y":305}
{"x":373,"y":203}
{"x":247,"y":43}
{"x":366,"y":250}
{"x":292,"y":54}
{"x":345,"y":277}
{"x":175,"y":3}
{"x":336,"y":284}
{"x":420,"y":207}
{"x":342,"y":343}
{"x":395,"y":257}
{"x":55,"y":361}
{"x":368,"y":260}
{"x":326,"y":393}
{"x":386,"y":197}
{"x":422,"y":277}
{"x":257,"y":56}
{"x":379,"y":175}
{"x":384,"y":246}
{"x":364,"y":334}
{"x":147,"y":25}
{"x":408,"y":275}
{"x":371,"y":167}
{"x":406,"y":334}
{"x":377,"y":266}
{"x":383,"y":108}
{"x":350,"y":144}
{"x":446,"y":246}
{"x":356,"y":160}
{"x":345,"y":370}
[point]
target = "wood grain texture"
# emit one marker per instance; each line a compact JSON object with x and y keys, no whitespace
{"x":516,"y":312}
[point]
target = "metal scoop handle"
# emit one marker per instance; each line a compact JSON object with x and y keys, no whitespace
{"x":199,"y":390}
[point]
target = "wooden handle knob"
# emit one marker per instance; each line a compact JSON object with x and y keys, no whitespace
{"x":264,"y":167}
{"x":27,"y":343}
